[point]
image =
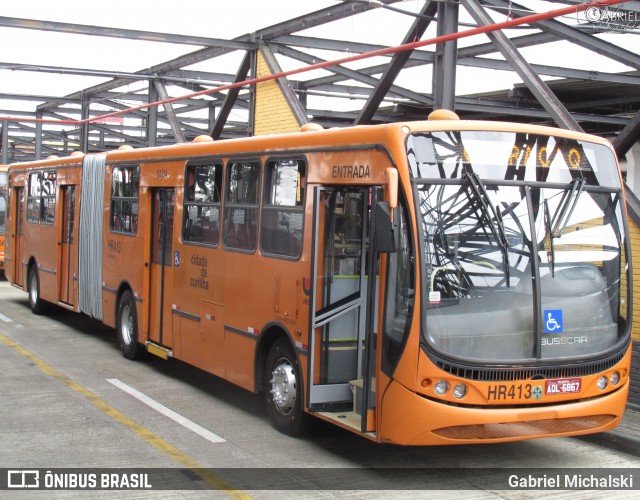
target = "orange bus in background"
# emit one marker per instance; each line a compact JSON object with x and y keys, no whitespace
{"x":423,"y":283}
{"x":3,"y":209}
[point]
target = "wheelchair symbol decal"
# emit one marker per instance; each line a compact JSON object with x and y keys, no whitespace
{"x":553,"y":321}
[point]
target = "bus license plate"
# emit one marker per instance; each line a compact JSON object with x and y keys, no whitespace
{"x":562,"y":386}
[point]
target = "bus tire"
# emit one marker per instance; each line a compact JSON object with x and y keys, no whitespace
{"x":127,"y":327}
{"x":283,"y":390}
{"x":35,"y":301}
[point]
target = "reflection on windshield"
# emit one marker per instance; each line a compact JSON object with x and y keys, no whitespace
{"x":522,"y":244}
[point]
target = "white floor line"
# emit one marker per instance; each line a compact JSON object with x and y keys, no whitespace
{"x":6,"y":319}
{"x":176,"y":417}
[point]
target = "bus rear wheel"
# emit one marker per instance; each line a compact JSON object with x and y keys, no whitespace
{"x":127,"y":327}
{"x":283,"y":390}
{"x":35,"y":302}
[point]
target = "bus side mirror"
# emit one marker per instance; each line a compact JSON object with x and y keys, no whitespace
{"x":392,"y":186}
{"x":387,"y":233}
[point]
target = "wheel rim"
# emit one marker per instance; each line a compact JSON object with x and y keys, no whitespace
{"x":283,"y":386}
{"x":33,"y":289}
{"x":126,"y":324}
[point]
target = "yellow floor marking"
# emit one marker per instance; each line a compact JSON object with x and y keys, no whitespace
{"x":151,"y":438}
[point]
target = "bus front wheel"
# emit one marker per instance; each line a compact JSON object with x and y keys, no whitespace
{"x":127,"y":327}
{"x":283,"y":390}
{"x":35,"y":302}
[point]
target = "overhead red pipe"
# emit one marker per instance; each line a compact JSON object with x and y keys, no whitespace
{"x":365,"y":55}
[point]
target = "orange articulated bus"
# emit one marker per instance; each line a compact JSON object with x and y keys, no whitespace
{"x":3,"y":210}
{"x":423,"y":283}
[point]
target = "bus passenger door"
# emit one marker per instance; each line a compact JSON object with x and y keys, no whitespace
{"x":17,"y":215}
{"x":340,"y":306}
{"x":67,"y":252}
{"x":161,"y":275}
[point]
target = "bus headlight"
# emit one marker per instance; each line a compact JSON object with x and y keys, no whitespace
{"x":441,"y":387}
{"x":459,"y":391}
{"x":614,"y":378}
{"x":602,"y":383}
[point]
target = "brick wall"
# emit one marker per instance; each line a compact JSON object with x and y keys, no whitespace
{"x":272,"y":112}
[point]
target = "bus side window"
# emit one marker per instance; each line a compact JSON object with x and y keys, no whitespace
{"x":48,"y":197}
{"x":202,"y":203}
{"x":241,"y":205}
{"x":400,"y":297}
{"x":283,"y":208}
{"x":41,"y":200}
{"x":34,"y":200}
{"x":125,"y":184}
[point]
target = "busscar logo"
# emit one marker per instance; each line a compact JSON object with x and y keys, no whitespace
{"x":23,"y":479}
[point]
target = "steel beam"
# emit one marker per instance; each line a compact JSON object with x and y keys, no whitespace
{"x":467,"y":56}
{"x":168,"y":108}
{"x":231,"y":97}
{"x":148,"y":36}
{"x":84,"y":128}
{"x":398,"y":61}
{"x":5,"y":142}
{"x":628,"y":136}
{"x":152,"y":117}
{"x":556,"y":71}
{"x":532,"y":80}
{"x":350,"y":74}
{"x":298,"y":111}
{"x":306,"y":21}
{"x":444,"y":68}
{"x":38,"y":137}
{"x":124,"y":75}
{"x":572,"y":35}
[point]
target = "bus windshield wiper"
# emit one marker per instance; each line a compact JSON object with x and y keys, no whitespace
{"x":494,"y":219}
{"x":547,"y":225}
{"x":565,"y":209}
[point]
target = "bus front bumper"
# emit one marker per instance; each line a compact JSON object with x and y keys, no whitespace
{"x":410,"y":419}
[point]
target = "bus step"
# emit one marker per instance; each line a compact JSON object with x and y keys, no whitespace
{"x":356,"y":389}
{"x":158,"y":350}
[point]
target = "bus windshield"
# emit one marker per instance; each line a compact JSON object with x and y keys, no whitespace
{"x":521,"y":245}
